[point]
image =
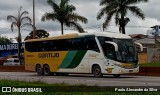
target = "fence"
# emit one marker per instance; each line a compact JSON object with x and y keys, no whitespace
{"x":153,"y":55}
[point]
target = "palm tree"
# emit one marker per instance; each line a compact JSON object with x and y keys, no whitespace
{"x":118,"y":21}
{"x":19,"y":22}
{"x":64,"y":14}
{"x":119,"y":8}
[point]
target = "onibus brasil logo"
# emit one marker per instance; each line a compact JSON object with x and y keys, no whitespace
{"x":15,"y":89}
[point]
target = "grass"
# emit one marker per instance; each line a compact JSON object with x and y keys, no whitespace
{"x":9,"y":83}
{"x":150,"y":65}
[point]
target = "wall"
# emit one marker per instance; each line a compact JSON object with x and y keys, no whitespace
{"x":143,"y":57}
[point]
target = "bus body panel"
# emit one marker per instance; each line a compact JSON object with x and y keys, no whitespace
{"x":77,"y":61}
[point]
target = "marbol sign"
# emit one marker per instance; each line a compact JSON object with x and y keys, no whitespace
{"x":13,"y":46}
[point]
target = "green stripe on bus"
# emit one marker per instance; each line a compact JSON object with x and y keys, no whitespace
{"x":68,"y":59}
{"x":77,"y":59}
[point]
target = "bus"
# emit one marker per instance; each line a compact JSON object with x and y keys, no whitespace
{"x":83,"y":53}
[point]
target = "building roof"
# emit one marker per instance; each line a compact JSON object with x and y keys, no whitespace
{"x":147,"y":41}
{"x":138,"y":36}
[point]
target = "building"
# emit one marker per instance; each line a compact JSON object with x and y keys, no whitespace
{"x":148,"y":42}
{"x":151,"y":33}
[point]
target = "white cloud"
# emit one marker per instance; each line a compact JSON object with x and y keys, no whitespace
{"x":4,"y":24}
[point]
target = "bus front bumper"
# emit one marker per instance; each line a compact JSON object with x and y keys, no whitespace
{"x":119,"y":70}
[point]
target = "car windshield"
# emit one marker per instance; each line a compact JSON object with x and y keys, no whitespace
{"x":16,"y":60}
{"x":126,"y":50}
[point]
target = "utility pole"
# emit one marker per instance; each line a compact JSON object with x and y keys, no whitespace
{"x":33,"y":19}
{"x":156,"y":28}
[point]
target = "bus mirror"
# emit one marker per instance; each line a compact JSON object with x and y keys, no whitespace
{"x":113,"y":43}
{"x":140,"y":45}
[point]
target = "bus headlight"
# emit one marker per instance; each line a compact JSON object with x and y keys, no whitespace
{"x":119,"y":65}
{"x":127,"y":66}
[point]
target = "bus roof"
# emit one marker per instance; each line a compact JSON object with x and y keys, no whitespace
{"x":76,"y":35}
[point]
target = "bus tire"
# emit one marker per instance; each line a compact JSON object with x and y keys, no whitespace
{"x":64,"y":74}
{"x":46,"y":70}
{"x":39,"y":70}
{"x":116,"y":75}
{"x":97,"y":71}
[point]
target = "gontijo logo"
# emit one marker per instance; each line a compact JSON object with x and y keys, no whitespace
{"x":15,"y":89}
{"x":48,"y":55}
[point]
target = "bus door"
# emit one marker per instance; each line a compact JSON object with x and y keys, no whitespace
{"x":110,"y":54}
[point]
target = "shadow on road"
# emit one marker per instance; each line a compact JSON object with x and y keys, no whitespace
{"x":90,"y":76}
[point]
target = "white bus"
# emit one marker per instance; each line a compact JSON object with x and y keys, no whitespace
{"x":84,"y":53}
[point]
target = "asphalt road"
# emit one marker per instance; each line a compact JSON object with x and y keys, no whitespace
{"x":80,"y":79}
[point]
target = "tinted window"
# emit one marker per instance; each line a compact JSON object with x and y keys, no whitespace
{"x":84,"y":43}
{"x":16,"y":61}
{"x":103,"y":39}
{"x":90,"y":44}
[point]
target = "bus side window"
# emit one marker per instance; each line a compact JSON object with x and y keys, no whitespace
{"x":45,"y":46}
{"x":91,"y":44}
{"x":110,"y":53}
{"x":76,"y":44}
{"x":68,"y":45}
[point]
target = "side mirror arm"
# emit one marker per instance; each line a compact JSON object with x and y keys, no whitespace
{"x":114,"y":44}
{"x":140,"y":45}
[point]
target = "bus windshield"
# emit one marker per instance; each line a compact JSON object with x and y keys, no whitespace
{"x":126,"y":50}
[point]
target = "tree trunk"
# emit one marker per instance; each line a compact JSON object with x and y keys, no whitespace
{"x":19,"y":44}
{"x":62,"y":27}
{"x":122,"y":22}
{"x":122,"y":18}
{"x":123,"y":29}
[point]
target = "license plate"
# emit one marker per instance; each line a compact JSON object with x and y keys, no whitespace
{"x":130,"y":71}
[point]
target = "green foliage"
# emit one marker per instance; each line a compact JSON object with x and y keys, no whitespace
{"x":150,"y":65}
{"x":64,"y":13}
{"x":5,"y":40}
{"x":38,"y":34}
{"x":119,"y":9}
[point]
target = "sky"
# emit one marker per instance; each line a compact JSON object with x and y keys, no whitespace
{"x":86,"y":8}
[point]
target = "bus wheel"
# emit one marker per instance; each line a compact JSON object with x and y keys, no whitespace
{"x":116,"y":75}
{"x":39,"y":70}
{"x":97,"y":71}
{"x":46,"y":70}
{"x":64,"y":74}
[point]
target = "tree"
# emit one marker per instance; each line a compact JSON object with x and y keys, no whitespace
{"x":38,"y":34}
{"x":5,"y":40}
{"x":19,"y":22}
{"x":64,"y":13}
{"x":119,"y":21}
{"x":119,"y":8}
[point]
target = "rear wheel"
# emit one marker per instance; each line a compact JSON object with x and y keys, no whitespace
{"x":39,"y":70}
{"x":97,"y":71}
{"x":116,"y":75}
{"x":46,"y":70}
